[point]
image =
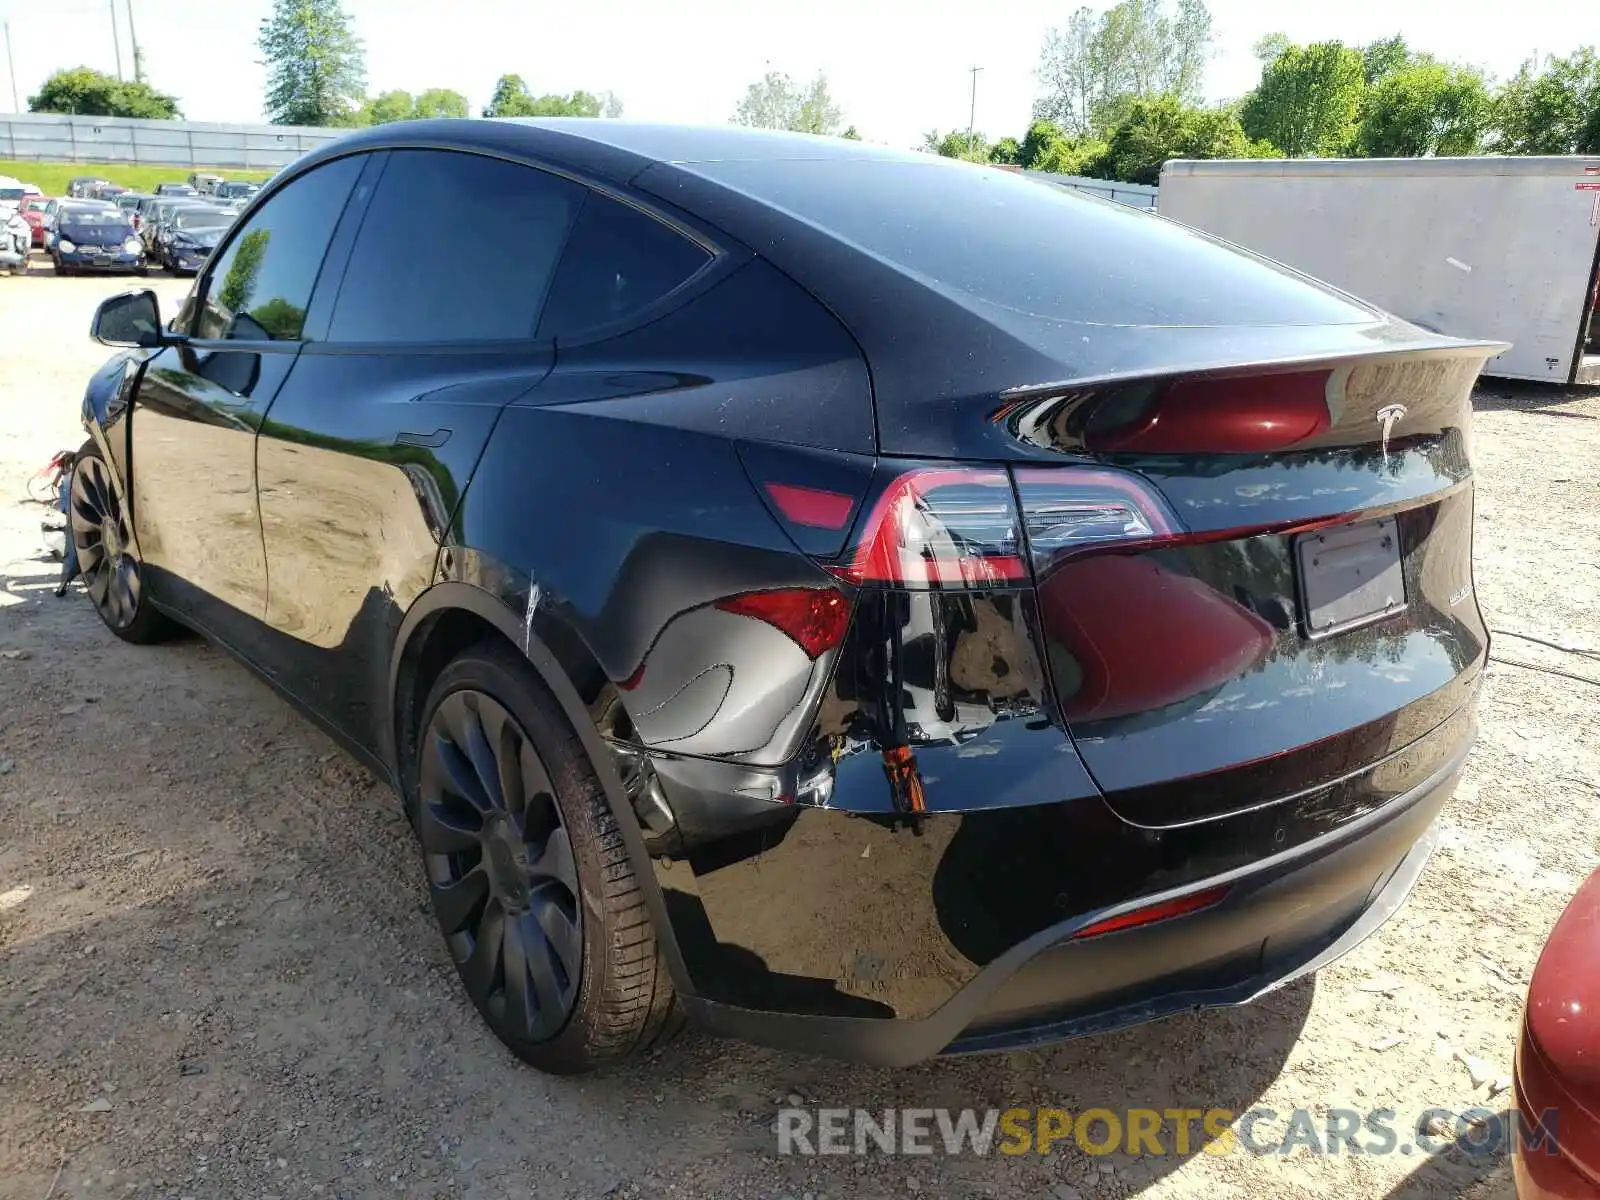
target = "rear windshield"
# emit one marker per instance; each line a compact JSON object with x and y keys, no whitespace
{"x":1033,"y":248}
{"x":211,"y":218}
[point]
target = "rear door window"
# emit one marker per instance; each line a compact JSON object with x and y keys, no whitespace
{"x":454,"y":248}
{"x":618,"y":260}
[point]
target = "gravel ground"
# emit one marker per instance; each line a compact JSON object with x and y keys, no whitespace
{"x":217,"y":977}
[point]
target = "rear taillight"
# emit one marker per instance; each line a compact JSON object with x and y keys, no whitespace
{"x":1067,"y":509}
{"x":940,"y":527}
{"x":814,"y":618}
{"x":974,"y":527}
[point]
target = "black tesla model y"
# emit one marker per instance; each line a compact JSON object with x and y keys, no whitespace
{"x":857,"y":601}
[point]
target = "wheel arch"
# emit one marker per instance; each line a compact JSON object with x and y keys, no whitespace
{"x":452,"y":615}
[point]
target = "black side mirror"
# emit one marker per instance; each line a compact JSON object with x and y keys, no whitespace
{"x":130,"y":319}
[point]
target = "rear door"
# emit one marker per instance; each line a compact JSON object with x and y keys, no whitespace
{"x":194,"y":421}
{"x":370,"y":444}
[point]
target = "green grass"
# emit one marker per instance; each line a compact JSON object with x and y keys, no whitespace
{"x":52,"y":178}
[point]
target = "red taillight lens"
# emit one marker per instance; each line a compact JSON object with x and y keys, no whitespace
{"x":938,"y":527}
{"x":815,"y":618}
{"x":1066,"y":509}
{"x":1178,"y":906}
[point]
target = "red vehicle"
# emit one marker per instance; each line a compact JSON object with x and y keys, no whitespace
{"x":33,"y":212}
{"x":1558,"y":1057}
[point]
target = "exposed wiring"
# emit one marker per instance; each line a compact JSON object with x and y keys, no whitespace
{"x":1528,"y":666}
{"x":1527,"y":637}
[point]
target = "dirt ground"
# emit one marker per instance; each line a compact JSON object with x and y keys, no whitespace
{"x":218,"y":978}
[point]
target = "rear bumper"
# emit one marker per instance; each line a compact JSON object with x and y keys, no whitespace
{"x":1283,"y":916}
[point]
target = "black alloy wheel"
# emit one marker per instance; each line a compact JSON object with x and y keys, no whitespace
{"x":529,"y":873}
{"x":108,"y":558}
{"x":501,"y":871}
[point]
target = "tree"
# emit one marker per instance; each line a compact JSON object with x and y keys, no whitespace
{"x":957,"y":144}
{"x":851,"y":134}
{"x":1268,"y":46}
{"x":1073,"y":156}
{"x":1551,"y":111}
{"x":1308,"y":101}
{"x":775,"y":101}
{"x":1425,"y":108}
{"x":440,"y":102}
{"x":316,"y":71}
{"x":1007,"y":151}
{"x":93,"y":93}
{"x":1157,"y":130}
{"x":1383,"y":58}
{"x":390,"y":106}
{"x":239,"y":284}
{"x":1092,"y":68}
{"x":511,"y":98}
{"x":1041,"y":136}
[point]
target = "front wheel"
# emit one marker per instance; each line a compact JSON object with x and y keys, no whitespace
{"x":107,"y":556}
{"x":528,"y":873}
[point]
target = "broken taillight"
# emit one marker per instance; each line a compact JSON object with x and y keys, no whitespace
{"x":975,"y":527}
{"x":940,"y":527}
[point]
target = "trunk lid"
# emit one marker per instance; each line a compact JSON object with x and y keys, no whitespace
{"x":1304,"y":608}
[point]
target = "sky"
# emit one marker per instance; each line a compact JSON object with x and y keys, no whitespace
{"x":898,"y":69}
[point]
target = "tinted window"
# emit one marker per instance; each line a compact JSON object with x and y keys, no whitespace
{"x":1032,"y":249}
{"x":261,"y":285}
{"x":454,"y":247}
{"x":617,"y":261}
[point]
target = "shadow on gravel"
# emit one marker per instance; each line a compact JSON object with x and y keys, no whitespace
{"x":1222,"y":1058}
{"x":1457,"y":1174}
{"x":1516,"y":395}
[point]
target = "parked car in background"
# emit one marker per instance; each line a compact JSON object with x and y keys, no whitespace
{"x":204,"y":182}
{"x":107,"y":191}
{"x":202,"y":215}
{"x":1557,"y":1067}
{"x":80,"y":187}
{"x":154,"y":215}
{"x":53,"y":211}
{"x":34,"y":212}
{"x":95,"y":238}
{"x":776,"y":582}
{"x":129,"y":203}
{"x":175,"y":189}
{"x":192,"y":234}
{"x":16,"y":235}
{"x":238,"y":189}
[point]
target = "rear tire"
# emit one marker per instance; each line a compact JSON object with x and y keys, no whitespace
{"x":529,"y":875}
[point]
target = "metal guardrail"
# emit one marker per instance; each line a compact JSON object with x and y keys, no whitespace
{"x":51,"y":137}
{"x":1135,"y":195}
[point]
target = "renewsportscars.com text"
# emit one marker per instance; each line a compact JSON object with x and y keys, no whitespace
{"x":1150,"y":1131}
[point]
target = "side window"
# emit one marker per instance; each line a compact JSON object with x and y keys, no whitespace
{"x":454,"y":247}
{"x":260,"y":287}
{"x":617,"y":261}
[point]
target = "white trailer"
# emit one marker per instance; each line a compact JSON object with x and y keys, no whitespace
{"x":1491,"y":247}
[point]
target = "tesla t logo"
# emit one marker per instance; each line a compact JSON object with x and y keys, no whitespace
{"x":1388,"y":416}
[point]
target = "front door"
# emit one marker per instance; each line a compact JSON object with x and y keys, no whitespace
{"x":371,"y":442}
{"x":200,"y":405}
